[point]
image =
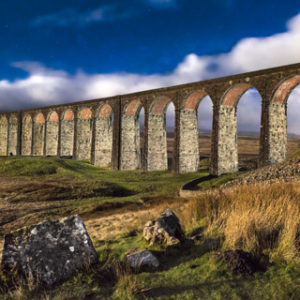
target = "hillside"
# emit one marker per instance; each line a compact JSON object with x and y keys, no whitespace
{"x":261,"y":219}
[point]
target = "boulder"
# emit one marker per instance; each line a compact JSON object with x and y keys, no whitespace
{"x":49,"y":252}
{"x":165,"y":230}
{"x":140,"y":261}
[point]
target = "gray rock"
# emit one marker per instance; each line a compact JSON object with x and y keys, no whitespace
{"x":142,"y":261}
{"x":50,"y":252}
{"x":165,"y":230}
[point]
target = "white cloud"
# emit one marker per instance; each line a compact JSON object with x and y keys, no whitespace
{"x":45,"y":86}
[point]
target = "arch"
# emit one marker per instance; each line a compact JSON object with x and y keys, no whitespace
{"x":227,"y":153}
{"x":157,"y":135}
{"x":84,"y":134}
{"x":39,"y":134}
{"x":52,"y":133}
{"x":3,"y":135}
{"x":233,"y":94}
{"x":13,"y":135}
{"x":130,"y":136}
{"x":189,"y":141}
{"x":104,"y":136}
{"x":26,"y":135}
{"x":159,"y":106}
{"x":68,"y":115}
{"x":67,"y":133}
{"x":277,"y":119}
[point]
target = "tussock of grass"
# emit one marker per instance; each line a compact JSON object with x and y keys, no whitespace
{"x":260,"y":219}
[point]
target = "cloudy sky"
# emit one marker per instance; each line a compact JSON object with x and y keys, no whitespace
{"x":68,"y":50}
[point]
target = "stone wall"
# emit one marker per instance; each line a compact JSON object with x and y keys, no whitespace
{"x":189,"y":142}
{"x":84,"y":138}
{"x":277,"y":132}
{"x":67,"y":138}
{"x":26,"y":135}
{"x":157,"y":142}
{"x":130,"y":143}
{"x":38,"y":138}
{"x":103,"y":141}
{"x":52,"y":127}
{"x":3,"y":135}
{"x":227,"y":140}
{"x":13,"y":135}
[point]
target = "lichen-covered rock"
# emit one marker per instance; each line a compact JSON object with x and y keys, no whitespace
{"x":165,"y":230}
{"x":141,"y":261}
{"x":50,"y":251}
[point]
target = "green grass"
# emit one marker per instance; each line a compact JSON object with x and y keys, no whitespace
{"x":216,"y":182}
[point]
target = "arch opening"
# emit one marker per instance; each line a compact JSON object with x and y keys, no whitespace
{"x":3,"y":135}
{"x":103,"y":151}
{"x":84,"y":134}
{"x":131,"y":136}
{"x":52,"y":134}
{"x":227,"y":149}
{"x":39,"y":135}
{"x":277,"y":134}
{"x":67,"y":134}
{"x":26,"y":135}
{"x":195,"y":127}
{"x":161,"y":134}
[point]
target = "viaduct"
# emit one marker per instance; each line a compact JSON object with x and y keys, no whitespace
{"x":107,"y":131}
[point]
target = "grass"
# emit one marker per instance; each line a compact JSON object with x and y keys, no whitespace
{"x":261,"y":219}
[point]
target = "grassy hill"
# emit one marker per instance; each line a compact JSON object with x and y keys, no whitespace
{"x":261,"y":219}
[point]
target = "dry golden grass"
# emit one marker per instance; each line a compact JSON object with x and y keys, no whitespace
{"x":262,"y":219}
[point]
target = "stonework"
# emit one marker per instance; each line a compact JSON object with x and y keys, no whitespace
{"x":277,"y":132}
{"x":38,"y":138}
{"x":189,"y":142}
{"x":13,"y":135}
{"x":51,"y":138}
{"x":26,"y":135}
{"x":103,"y":142}
{"x":3,"y":135}
{"x":130,"y":143}
{"x":227,"y":140}
{"x":82,"y":131}
{"x":84,"y":138}
{"x":157,"y":142}
{"x":67,"y":137}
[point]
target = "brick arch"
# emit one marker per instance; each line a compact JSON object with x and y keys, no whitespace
{"x":159,"y":106}
{"x":39,"y":118}
{"x":233,"y":94}
{"x":284,"y":89}
{"x":193,"y":100}
{"x":105,"y":111}
{"x":68,"y":115}
{"x":53,"y":117}
{"x":85,"y":113}
{"x":133,"y":108}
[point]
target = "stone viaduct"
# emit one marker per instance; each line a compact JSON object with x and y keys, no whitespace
{"x":107,"y":131}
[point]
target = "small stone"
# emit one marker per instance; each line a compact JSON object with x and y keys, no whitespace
{"x":141,"y":261}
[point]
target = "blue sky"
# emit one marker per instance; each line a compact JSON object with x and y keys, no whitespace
{"x":62,"y":51}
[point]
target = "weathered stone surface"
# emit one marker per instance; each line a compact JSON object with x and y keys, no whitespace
{"x":277,"y":132}
{"x":13,"y":135}
{"x":227,"y":140}
{"x":3,"y":135}
{"x":103,"y":141}
{"x":50,"y":251}
{"x":130,"y":146}
{"x":189,"y":142}
{"x":165,"y":230}
{"x":157,"y":143}
{"x":141,"y":261}
{"x":38,"y":138}
{"x":84,"y":138}
{"x":67,"y":137}
{"x":26,"y":135}
{"x":52,"y":135}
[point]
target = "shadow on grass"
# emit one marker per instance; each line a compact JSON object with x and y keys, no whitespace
{"x":193,"y":185}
